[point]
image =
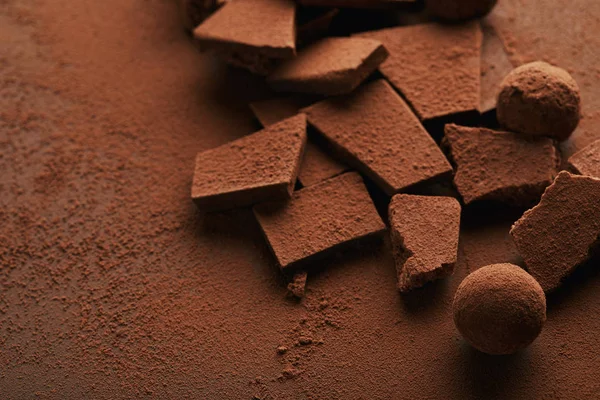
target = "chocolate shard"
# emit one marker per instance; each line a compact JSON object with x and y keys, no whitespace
{"x":495,"y":65}
{"x":561,"y":232}
{"x":436,"y":67}
{"x":316,"y":165}
{"x":297,"y":285}
{"x":587,"y":160}
{"x":424,"y":232}
{"x":500,"y":166}
{"x":374,"y":131}
{"x":252,"y":34}
{"x":318,"y":220}
{"x":367,"y":4}
{"x":331,"y":66}
{"x":258,"y":167}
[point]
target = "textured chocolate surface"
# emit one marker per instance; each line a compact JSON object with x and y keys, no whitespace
{"x":436,"y":67}
{"x":319,"y":219}
{"x":331,"y":66}
{"x":587,"y":160}
{"x":495,"y":65}
{"x":499,"y":309}
{"x":424,"y":233}
{"x":559,"y":233}
{"x":262,"y":166}
{"x":501,"y":166}
{"x":375,"y":131}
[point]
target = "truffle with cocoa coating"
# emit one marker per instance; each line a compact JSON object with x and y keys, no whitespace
{"x":499,"y":309}
{"x":458,"y":10}
{"x":539,"y":99}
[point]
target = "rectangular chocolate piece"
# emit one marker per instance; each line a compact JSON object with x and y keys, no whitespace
{"x":319,"y":219}
{"x":258,"y":167}
{"x":375,"y":131}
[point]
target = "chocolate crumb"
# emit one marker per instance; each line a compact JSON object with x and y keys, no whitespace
{"x":298,"y":284}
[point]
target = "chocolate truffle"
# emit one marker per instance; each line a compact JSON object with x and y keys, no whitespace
{"x":317,"y":165}
{"x":436,"y":67}
{"x":587,"y":160}
{"x":457,"y":10}
{"x":499,"y":309}
{"x":539,"y":99}
{"x":258,"y":167}
{"x":375,"y":131}
{"x":424,"y":233}
{"x":319,"y":219}
{"x":500,"y":166}
{"x":331,"y":66}
{"x":251,"y":34}
{"x":561,"y":232}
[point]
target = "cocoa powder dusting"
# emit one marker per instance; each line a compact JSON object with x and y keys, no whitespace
{"x":113,"y":286}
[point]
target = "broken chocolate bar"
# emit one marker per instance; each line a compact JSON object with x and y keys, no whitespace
{"x":318,"y":220}
{"x":559,"y":233}
{"x":424,"y":233}
{"x":258,"y":167}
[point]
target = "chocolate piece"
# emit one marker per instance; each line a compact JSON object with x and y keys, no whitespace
{"x":193,"y":12}
{"x":318,"y":220}
{"x":424,"y":233}
{"x":252,"y":34}
{"x":458,"y":10}
{"x":558,"y":234}
{"x":436,"y":67}
{"x":316,"y":165}
{"x":587,"y":160}
{"x":539,"y":99}
{"x":331,"y":66}
{"x":500,"y":166}
{"x":495,"y":65}
{"x":499,"y":309}
{"x":258,"y":167}
{"x":375,"y":4}
{"x":375,"y":131}
{"x":298,"y":284}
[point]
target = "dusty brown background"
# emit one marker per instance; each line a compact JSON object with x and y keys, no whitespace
{"x":112,"y":285}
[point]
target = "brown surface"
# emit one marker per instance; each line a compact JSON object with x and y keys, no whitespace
{"x":424,"y":234}
{"x":458,"y":10}
{"x":297,"y":286}
{"x":558,"y":234}
{"x":259,"y":167}
{"x":499,"y":309}
{"x":539,"y":99}
{"x":375,"y":131}
{"x":113,"y":287}
{"x":331,"y":66}
{"x":436,"y":67}
{"x":318,"y":220}
{"x":495,"y":65}
{"x":500,"y":166}
{"x":251,"y":33}
{"x":357,"y":3}
{"x":314,"y":24}
{"x":316,"y":165}
{"x":587,"y":160}
{"x":193,"y":12}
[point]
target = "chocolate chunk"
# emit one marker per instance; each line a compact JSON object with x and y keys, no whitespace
{"x":258,"y":167}
{"x":558,"y":234}
{"x":436,"y":67}
{"x":499,"y":309}
{"x":587,"y":160}
{"x":458,"y":10}
{"x":298,"y":284}
{"x":252,"y":34}
{"x":375,"y":4}
{"x":331,"y":66}
{"x":318,"y":220}
{"x":424,"y":232}
{"x":375,"y":131}
{"x":193,"y":12}
{"x":539,"y":99}
{"x":316,"y":165}
{"x":500,"y":166}
{"x":495,"y":65}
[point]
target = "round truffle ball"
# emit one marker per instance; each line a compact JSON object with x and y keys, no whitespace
{"x":457,"y":10}
{"x":539,"y":99}
{"x":499,"y":309}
